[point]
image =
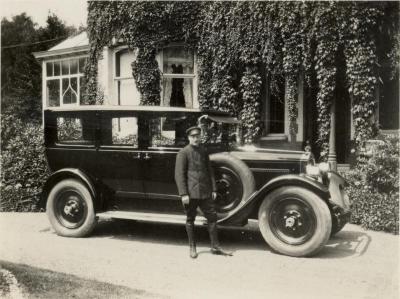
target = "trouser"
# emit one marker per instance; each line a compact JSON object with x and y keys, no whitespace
{"x":207,"y":206}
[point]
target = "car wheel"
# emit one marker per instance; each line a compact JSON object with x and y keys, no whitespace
{"x":70,"y":209}
{"x":235,"y":182}
{"x":295,"y":221}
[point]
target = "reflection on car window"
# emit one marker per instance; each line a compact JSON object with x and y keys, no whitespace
{"x":120,"y":131}
{"x":71,"y":130}
{"x":168,"y":132}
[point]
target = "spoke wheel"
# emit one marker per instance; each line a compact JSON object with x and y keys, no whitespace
{"x":235,"y":183}
{"x":230,"y":189}
{"x":295,"y":221}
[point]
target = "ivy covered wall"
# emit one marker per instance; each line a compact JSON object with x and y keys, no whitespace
{"x":237,"y":43}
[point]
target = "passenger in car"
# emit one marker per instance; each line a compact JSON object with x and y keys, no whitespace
{"x":196,"y":186}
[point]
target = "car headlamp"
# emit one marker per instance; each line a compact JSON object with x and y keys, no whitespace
{"x":317,"y":170}
{"x":324,"y":167}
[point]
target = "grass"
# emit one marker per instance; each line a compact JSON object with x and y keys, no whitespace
{"x":41,"y":283}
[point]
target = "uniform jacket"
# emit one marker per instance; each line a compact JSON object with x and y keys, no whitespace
{"x":194,"y":175}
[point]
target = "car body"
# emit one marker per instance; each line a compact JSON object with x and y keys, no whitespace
{"x":119,"y":162}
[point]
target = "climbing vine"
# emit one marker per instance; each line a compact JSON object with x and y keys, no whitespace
{"x":242,"y":45}
{"x":362,"y":62}
{"x":327,"y":41}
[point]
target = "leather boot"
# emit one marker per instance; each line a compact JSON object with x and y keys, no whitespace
{"x":192,"y":242}
{"x":215,"y":248}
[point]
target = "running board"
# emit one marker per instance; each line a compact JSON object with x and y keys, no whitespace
{"x":151,"y":217}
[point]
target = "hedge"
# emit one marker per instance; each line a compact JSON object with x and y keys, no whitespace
{"x":374,"y":187}
{"x":24,"y":168}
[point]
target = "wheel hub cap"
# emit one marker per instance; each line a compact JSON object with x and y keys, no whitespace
{"x":71,"y":208}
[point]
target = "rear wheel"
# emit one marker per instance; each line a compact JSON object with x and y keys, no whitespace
{"x":235,"y":182}
{"x":295,"y":221}
{"x":70,"y":209}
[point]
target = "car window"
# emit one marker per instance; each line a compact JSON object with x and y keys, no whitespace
{"x":169,"y":131}
{"x":74,"y":130}
{"x":120,"y":131}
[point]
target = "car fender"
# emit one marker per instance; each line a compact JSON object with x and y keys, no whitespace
{"x":67,"y":173}
{"x":243,"y":211}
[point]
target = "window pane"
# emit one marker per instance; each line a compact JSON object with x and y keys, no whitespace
{"x":53,"y":92}
{"x":69,"y":94}
{"x":128,"y":94}
{"x":81,"y":89}
{"x":65,"y":67}
{"x":169,"y":131}
{"x":123,"y":61}
{"x":178,"y":60}
{"x":74,"y":84}
{"x":65,"y":85}
{"x":82,"y":62}
{"x":57,"y":68}
{"x":74,"y":66}
{"x":120,"y":131}
{"x":277,"y":107}
{"x":49,"y":69}
{"x":178,"y":92}
{"x":69,"y":130}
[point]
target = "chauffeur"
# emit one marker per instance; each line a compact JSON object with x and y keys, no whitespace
{"x":196,"y":185}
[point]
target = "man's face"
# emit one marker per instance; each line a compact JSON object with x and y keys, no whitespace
{"x":194,"y":139}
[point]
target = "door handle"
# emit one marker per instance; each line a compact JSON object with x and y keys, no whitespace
{"x":147,"y":156}
{"x":136,"y":155}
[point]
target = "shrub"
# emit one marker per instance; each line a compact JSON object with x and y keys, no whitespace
{"x":374,"y":187}
{"x":24,"y":169}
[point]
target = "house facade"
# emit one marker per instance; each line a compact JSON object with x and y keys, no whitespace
{"x":63,"y":73}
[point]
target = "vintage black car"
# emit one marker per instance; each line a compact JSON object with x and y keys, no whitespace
{"x":118,"y":162}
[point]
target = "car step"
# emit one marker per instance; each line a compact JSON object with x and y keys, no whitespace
{"x":150,"y":217}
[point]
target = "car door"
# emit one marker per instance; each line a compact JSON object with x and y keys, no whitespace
{"x":166,"y":138}
{"x":119,"y":159}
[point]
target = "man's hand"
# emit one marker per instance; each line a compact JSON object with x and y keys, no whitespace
{"x":214,"y":195}
{"x":185,"y":199}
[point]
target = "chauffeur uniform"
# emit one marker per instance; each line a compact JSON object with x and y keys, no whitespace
{"x":194,"y":176}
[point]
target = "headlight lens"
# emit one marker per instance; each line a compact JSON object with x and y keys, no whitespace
{"x":317,"y":170}
{"x":324,"y":167}
{"x":312,"y":170}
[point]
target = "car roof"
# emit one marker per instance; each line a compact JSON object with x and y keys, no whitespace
{"x":120,"y":108}
{"x":117,"y":108}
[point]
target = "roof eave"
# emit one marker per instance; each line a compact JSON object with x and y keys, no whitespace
{"x":62,"y":52}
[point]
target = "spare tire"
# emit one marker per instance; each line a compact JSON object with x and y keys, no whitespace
{"x":235,"y":182}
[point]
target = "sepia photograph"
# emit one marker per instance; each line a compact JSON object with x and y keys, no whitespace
{"x":199,"y":149}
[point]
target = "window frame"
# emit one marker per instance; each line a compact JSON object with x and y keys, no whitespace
{"x":116,"y":79}
{"x":194,"y":75}
{"x":60,"y":78}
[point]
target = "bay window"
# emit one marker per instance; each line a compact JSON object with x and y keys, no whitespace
{"x":64,"y":81}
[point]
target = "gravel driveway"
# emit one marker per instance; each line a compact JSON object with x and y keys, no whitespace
{"x":154,"y":257}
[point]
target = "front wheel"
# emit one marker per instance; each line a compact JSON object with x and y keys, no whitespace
{"x":295,"y":221}
{"x":70,"y":209}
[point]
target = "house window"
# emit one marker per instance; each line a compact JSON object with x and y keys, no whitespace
{"x":64,"y":81}
{"x":276,"y":106}
{"x":126,"y":91}
{"x":178,"y":77}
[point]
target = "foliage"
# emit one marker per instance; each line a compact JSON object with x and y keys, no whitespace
{"x":24,"y":169}
{"x":21,"y":74}
{"x":250,"y":114}
{"x":271,"y":38}
{"x":374,"y":187}
{"x":147,"y":75}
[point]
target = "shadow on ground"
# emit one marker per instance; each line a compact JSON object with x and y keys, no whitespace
{"x":342,"y":245}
